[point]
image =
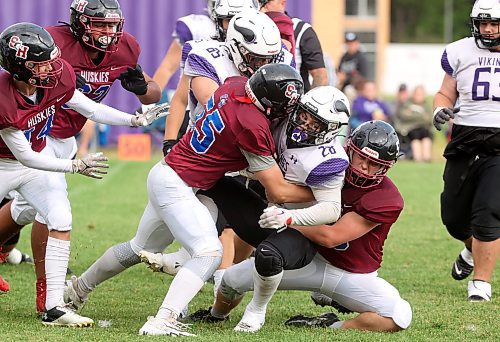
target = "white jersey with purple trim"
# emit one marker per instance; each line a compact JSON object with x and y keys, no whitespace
{"x":320,"y":166}
{"x":206,"y":58}
{"x":477,"y":72}
{"x":193,"y":27}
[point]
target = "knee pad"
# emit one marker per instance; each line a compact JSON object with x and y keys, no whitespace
{"x":22,"y":213}
{"x":125,"y":254}
{"x":402,"y":314}
{"x":268,"y":261}
{"x":486,"y":234}
{"x":204,"y":266}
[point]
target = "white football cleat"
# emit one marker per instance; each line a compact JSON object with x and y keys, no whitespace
{"x":152,"y":260}
{"x":159,"y":326}
{"x":71,"y":296}
{"x":251,"y":322}
{"x":65,"y":317}
{"x":479,"y":291}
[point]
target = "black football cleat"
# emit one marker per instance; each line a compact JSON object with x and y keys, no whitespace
{"x":461,"y":269}
{"x":323,"y":321}
{"x":204,"y":315}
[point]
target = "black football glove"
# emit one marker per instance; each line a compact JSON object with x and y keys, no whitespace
{"x":133,"y":80}
{"x":167,"y":146}
{"x":443,"y":115}
{"x":80,"y":81}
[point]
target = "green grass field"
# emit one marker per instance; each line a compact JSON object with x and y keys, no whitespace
{"x":417,"y":260}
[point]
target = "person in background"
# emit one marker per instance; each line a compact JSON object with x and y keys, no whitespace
{"x":470,"y":202}
{"x":353,"y":63}
{"x":413,"y":119}
{"x":367,"y":106}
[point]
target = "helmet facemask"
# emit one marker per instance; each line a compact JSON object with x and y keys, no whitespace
{"x":107,"y":41}
{"x":45,"y":74}
{"x":308,"y":129}
{"x":248,"y":62}
{"x":360,"y":178}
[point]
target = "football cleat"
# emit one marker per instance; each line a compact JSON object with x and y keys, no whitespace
{"x":251,"y":322}
{"x":205,"y":316}
{"x":152,"y":260}
{"x":64,"y":316}
{"x":169,"y":327}
{"x":41,"y":293}
{"x":71,"y":296}
{"x":15,"y":257}
{"x":323,"y":300}
{"x":461,"y":269}
{"x":479,"y":291}
{"x":324,"y":320}
{"x":4,"y":286}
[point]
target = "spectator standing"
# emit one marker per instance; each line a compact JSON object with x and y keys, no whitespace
{"x":353,"y":64}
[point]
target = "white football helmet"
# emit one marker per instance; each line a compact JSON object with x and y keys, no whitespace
{"x":320,"y":114}
{"x":226,"y":9}
{"x":253,"y":40}
{"x":485,"y":10}
{"x":211,"y":9}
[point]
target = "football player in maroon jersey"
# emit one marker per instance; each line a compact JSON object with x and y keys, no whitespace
{"x":36,"y":84}
{"x":100,"y":52}
{"x":339,"y":260}
{"x":231,"y":134}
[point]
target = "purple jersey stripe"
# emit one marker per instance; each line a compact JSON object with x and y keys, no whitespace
{"x":182,"y":32}
{"x":445,"y":64}
{"x":186,"y":49}
{"x":200,"y":66}
{"x":326,"y":171}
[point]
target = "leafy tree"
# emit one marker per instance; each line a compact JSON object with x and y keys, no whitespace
{"x":422,"y":21}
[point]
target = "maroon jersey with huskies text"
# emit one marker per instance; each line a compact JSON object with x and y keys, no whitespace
{"x":99,"y":78}
{"x":382,"y":205}
{"x":230,"y":122}
{"x":35,"y":120}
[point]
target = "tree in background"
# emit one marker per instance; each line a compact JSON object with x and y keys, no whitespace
{"x":422,"y":21}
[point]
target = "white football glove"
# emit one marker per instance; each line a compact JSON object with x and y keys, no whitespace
{"x":150,"y":113}
{"x":91,"y":165}
{"x":275,"y":218}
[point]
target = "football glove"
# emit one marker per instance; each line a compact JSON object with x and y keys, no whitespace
{"x":275,"y":218}
{"x":133,"y":80}
{"x":443,"y":115}
{"x":91,"y":165}
{"x":167,"y":146}
{"x":80,"y":81}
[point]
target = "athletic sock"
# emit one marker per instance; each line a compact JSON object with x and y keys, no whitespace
{"x":264,"y":289}
{"x":56,"y":264}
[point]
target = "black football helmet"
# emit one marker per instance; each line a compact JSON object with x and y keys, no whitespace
{"x":29,"y":54}
{"x":275,"y":89}
{"x":376,"y":141}
{"x":485,"y":10}
{"x":86,"y":14}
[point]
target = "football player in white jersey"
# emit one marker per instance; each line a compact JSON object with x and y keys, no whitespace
{"x":470,"y":202}
{"x":189,"y":27}
{"x":309,"y":154}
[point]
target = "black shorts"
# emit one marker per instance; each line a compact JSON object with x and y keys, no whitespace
{"x":419,"y":133}
{"x":470,"y":201}
{"x":241,"y":208}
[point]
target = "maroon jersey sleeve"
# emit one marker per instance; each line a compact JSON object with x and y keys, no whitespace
{"x":255,"y":136}
{"x":382,"y":205}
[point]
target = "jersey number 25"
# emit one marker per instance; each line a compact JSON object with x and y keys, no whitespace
{"x":204,"y":132}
